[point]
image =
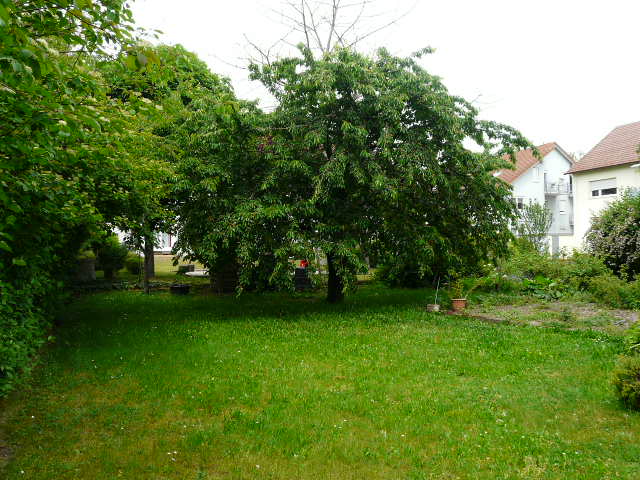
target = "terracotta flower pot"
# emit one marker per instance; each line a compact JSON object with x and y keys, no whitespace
{"x":458,"y":304}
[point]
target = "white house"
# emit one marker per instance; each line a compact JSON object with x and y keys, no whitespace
{"x":611,"y":167}
{"x":164,"y":241}
{"x":544,"y":181}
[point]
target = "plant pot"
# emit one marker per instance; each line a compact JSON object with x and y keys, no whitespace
{"x":433,"y":307}
{"x":458,"y":304}
{"x":179,"y":288}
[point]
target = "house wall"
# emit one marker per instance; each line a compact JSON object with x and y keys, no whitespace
{"x":531,"y":185}
{"x":561,"y":205}
{"x":587,"y":206}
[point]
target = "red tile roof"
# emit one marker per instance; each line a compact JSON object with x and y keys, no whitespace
{"x":524,"y":161}
{"x":618,"y":148}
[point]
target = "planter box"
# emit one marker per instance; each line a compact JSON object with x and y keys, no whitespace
{"x":458,"y":304}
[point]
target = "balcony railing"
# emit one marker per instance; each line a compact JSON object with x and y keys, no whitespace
{"x":558,"y":188}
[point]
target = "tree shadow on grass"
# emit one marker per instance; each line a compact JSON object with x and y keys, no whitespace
{"x":108,"y":309}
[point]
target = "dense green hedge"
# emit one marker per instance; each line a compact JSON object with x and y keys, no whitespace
{"x":62,"y":173}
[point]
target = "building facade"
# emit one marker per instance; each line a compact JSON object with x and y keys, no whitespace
{"x":610,"y":168}
{"x":544,"y":181}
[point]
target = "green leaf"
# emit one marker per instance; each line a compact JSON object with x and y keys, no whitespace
{"x":5,"y":17}
{"x":130,"y":62}
{"x":20,"y":262}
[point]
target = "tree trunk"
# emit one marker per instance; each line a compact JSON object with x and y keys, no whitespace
{"x":149,"y":262}
{"x":335,"y":285}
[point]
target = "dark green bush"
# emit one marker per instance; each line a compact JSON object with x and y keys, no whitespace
{"x":580,"y":268}
{"x":133,"y":263}
{"x":626,"y":380}
{"x":401,"y":274}
{"x":615,"y":292}
{"x":615,"y":235}
{"x":110,"y":256}
{"x":632,"y":340}
{"x":544,"y":288}
{"x":526,"y":262}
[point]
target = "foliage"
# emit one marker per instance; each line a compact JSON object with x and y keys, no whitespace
{"x":160,"y":92}
{"x":615,"y":235}
{"x":110,"y":256}
{"x":533,"y":225}
{"x":61,"y":177}
{"x":633,"y":339}
{"x":367,"y":154}
{"x":580,"y":267}
{"x":626,"y":380}
{"x":543,"y":288}
{"x":133,"y":263}
{"x":226,"y":222}
{"x":525,"y":261}
{"x":399,"y":273}
{"x":614,"y":291}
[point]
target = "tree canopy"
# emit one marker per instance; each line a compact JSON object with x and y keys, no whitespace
{"x":361,"y":154}
{"x":61,"y":176}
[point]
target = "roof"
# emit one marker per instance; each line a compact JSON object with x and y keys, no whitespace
{"x":618,"y":148}
{"x":524,"y":161}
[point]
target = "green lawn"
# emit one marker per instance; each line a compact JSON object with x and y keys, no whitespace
{"x":278,"y":387}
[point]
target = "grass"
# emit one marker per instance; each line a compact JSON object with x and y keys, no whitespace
{"x":165,"y":272}
{"x":280,"y":387}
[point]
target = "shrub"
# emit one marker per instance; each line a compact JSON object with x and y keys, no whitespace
{"x":632,"y":340}
{"x":544,"y":288}
{"x":581,"y":267}
{"x":133,"y":263}
{"x":110,"y":256}
{"x":626,"y":380}
{"x":525,"y":261}
{"x":401,"y":275}
{"x":615,"y":235}
{"x":614,"y":291}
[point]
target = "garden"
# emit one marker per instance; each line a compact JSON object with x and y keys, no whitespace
{"x":434,"y":337}
{"x":273,"y":386}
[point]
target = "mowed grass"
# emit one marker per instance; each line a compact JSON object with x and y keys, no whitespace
{"x":280,"y":387}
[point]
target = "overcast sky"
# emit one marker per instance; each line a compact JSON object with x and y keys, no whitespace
{"x":558,"y":70}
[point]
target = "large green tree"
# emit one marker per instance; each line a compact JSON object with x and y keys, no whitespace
{"x":360,"y":154}
{"x":160,"y":91}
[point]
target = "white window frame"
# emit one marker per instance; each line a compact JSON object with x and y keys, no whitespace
{"x":602,"y":185}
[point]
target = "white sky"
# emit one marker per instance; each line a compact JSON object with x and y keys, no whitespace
{"x":558,"y":70}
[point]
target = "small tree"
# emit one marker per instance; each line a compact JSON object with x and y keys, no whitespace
{"x":533,"y":225}
{"x":615,"y":234}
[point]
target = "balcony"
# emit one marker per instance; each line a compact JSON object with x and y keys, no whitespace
{"x":557,"y":188}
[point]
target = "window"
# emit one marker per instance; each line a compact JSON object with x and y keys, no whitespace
{"x":520,"y":202}
{"x":562,"y":207}
{"x":536,"y":174}
{"x":601,"y":188}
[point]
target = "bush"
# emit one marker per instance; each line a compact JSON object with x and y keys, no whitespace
{"x":626,"y":380}
{"x":632,"y":340}
{"x":133,"y":263}
{"x":526,"y":262}
{"x":581,"y":267}
{"x":544,"y":288}
{"x":402,"y":275}
{"x":110,"y":256}
{"x":614,"y":291}
{"x":615,"y":235}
